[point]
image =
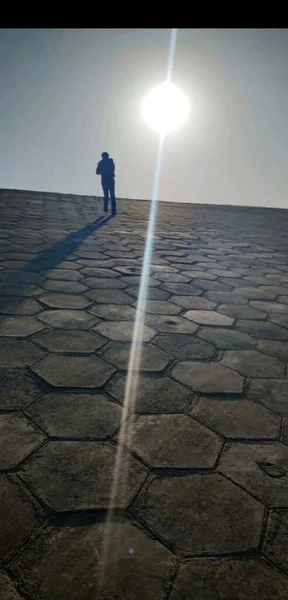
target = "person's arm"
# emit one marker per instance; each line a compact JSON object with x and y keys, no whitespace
{"x":113,"y":168}
{"x":98,"y":169}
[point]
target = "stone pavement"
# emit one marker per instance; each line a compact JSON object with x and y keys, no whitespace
{"x":206,"y":502}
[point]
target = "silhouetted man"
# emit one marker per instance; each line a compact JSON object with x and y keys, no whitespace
{"x":106,"y":169}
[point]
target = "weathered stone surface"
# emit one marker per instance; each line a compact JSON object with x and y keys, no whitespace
{"x":237,"y":418}
{"x":262,"y":330}
{"x":62,"y":274}
{"x":276,"y":543}
{"x":161,"y":307}
{"x":109,"y":296}
{"x":101,"y":283}
{"x":195,"y":302}
{"x":273,"y":393}
{"x":73,"y":371}
{"x":7,"y":588}
{"x":159,"y":440}
{"x":182,"y":511}
{"x":270,"y":307}
{"x":279,"y":319}
{"x":225,"y":297}
{"x":152,"y":293}
{"x":174,"y":277}
{"x":182,"y":289}
{"x":170,"y":324}
{"x":78,"y":476}
{"x":193,"y":274}
{"x":113,"y":312}
{"x":18,"y":438}
{"x":277,"y":349}
{"x":19,"y":289}
{"x":19,"y":326}
{"x":99,"y":273}
{"x":15,"y":502}
{"x":76,"y":415}
{"x":13,"y":305}
{"x":18,"y":353}
{"x":229,"y":580}
{"x":260,"y":468}
{"x":68,"y":340}
{"x":154,"y":394}
{"x":66,"y":563}
{"x":208,"y":317}
{"x":184,"y":347}
{"x":253,"y":364}
{"x":64,"y":287}
{"x":208,"y":378}
{"x":68,"y":319}
{"x":259,"y":293}
{"x":152,"y":358}
{"x":283,"y":299}
{"x":124,"y":330}
{"x":17,"y":389}
{"x":240,"y":311}
{"x":65,"y":301}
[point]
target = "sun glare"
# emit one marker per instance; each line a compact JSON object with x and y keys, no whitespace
{"x":165,"y":109}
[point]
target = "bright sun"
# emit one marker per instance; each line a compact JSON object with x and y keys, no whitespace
{"x":165,"y":108}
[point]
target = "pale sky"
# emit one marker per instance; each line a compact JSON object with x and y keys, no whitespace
{"x":69,"y":94}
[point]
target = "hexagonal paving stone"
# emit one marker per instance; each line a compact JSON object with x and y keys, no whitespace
{"x":64,"y":287}
{"x":99,"y":273}
{"x":65,"y":301}
{"x":209,"y":378}
{"x":152,"y":358}
{"x":256,"y":293}
{"x":64,"y":564}
{"x":225,"y":297}
{"x":184,"y":347}
{"x":22,"y":277}
{"x":263,"y":330}
{"x":174,"y":441}
{"x":276,"y":542}
{"x":68,"y":319}
{"x":271,"y":307}
{"x":229,"y":580}
{"x":174,"y":277}
{"x":182,"y":289}
{"x":253,"y":364}
{"x":7,"y":589}
{"x":123,"y":330}
{"x":194,"y":302}
{"x":260,"y":468}
{"x":62,"y":274}
{"x":18,"y":438}
{"x":187,"y":511}
{"x":78,"y":476}
{"x":277,"y":349}
{"x":19,"y":289}
{"x":237,"y":418}
{"x":67,"y":340}
{"x":225,"y":338}
{"x":154,"y":394}
{"x":241,"y":311}
{"x":12,"y":305}
{"x":273,"y":393}
{"x":19,"y":515}
{"x":152,"y":293}
{"x":18,"y":353}
{"x":101,"y":283}
{"x":76,"y":415}
{"x":161,"y":307}
{"x":208,"y":317}
{"x":19,"y":326}
{"x":113,"y":312}
{"x":170,"y":324}
{"x":73,"y":371}
{"x":17,"y":389}
{"x":109,"y":296}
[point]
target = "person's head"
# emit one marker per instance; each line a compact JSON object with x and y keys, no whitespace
{"x":105,"y":155}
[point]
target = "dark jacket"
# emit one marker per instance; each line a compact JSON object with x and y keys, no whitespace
{"x":106,"y":168}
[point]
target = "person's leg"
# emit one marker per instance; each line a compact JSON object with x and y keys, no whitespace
{"x":106,"y":196}
{"x":112,"y":195}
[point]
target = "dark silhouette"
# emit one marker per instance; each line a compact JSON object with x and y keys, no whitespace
{"x":106,"y":169}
